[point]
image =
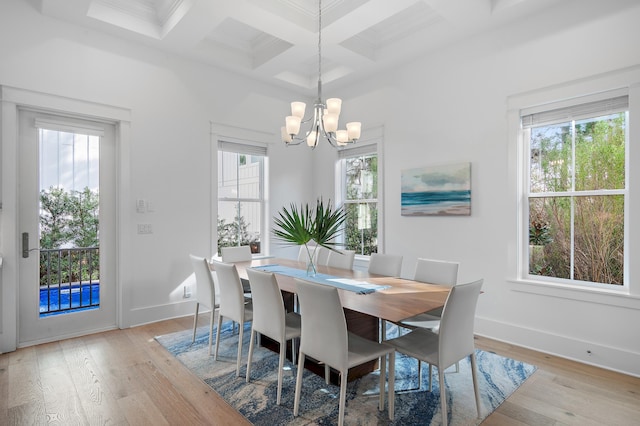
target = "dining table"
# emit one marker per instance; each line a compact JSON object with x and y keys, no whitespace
{"x":392,"y":299}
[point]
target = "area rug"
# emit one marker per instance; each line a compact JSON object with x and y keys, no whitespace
{"x":498,"y":378}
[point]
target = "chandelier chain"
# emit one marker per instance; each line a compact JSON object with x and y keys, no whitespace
{"x":319,"y":42}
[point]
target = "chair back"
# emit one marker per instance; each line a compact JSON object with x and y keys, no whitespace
{"x":389,"y":265}
{"x":268,"y":305}
{"x":341,"y":259}
{"x":303,"y":256}
{"x":456,"y":325}
{"x":322,"y":256}
{"x":205,"y":286}
{"x":235,"y":254}
{"x":437,"y":272}
{"x":231,"y":292}
{"x":324,"y":328}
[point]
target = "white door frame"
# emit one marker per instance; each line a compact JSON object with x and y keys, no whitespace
{"x":10,"y":100}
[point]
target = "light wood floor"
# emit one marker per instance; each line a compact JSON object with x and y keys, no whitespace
{"x":125,"y":377}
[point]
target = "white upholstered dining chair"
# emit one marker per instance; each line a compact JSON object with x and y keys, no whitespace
{"x":325,"y":338}
{"x":431,"y":271}
{"x":233,"y":304}
{"x":206,"y":293}
{"x":389,"y":265}
{"x":235,"y":254}
{"x":322,"y":256}
{"x":270,"y":319}
{"x":453,"y":342}
{"x":342,"y":259}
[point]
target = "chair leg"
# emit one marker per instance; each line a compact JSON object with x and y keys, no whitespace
{"x":431,"y":377}
{"x":240,"y":333}
{"x":391,"y":383}
{"x":327,"y":373}
{"x":343,"y":396}
{"x":383,"y":364}
{"x":296,"y":398}
{"x":443,"y":396}
{"x":383,"y":331}
{"x":195,"y":322}
{"x":250,"y":355}
{"x":474,"y":375}
{"x":283,"y":351}
{"x":215,"y":354}
{"x":211,"y":329}
{"x":420,"y":375}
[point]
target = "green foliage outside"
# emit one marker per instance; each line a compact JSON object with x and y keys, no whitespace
{"x":361,"y":224}
{"x":69,"y":228}
{"x":598,"y":220}
{"x":232,"y":234}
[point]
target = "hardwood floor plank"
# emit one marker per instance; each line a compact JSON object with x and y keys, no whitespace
{"x":30,"y":413}
{"x":100,"y":407}
{"x":139,"y":409}
{"x":24,"y":384}
{"x":62,"y":403}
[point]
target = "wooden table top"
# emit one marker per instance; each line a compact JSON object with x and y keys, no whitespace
{"x":403,"y":299}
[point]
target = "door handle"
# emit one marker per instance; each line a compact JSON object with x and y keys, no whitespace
{"x":25,"y":245}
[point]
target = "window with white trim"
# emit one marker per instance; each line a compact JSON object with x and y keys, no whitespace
{"x":576,"y":191}
{"x":241,"y":183}
{"x":358,"y":168}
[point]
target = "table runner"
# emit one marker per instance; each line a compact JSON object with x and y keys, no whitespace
{"x":360,"y":287}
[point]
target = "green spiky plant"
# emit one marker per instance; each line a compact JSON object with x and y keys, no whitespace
{"x":300,"y":225}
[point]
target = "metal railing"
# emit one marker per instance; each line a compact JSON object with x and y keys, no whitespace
{"x":69,"y":279}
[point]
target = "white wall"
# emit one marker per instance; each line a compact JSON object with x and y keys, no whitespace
{"x":454,"y":108}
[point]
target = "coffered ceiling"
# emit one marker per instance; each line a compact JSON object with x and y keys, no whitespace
{"x":277,"y":40}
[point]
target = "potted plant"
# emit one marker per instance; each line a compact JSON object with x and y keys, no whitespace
{"x":302,"y":225}
{"x":539,"y":236}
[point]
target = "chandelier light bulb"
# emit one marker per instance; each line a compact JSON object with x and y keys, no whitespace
{"x":330,"y":122}
{"x":353,"y":130}
{"x":342,"y":137}
{"x":334,"y":105}
{"x":312,"y":139}
{"x":298,"y":108}
{"x":286,"y":137}
{"x":293,"y":125}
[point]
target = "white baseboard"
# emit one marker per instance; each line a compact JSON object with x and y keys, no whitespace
{"x":150,"y":314}
{"x":591,"y":353}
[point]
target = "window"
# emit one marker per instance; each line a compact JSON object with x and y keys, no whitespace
{"x":359,"y":194}
{"x":577,"y":188}
{"x":241,"y":195}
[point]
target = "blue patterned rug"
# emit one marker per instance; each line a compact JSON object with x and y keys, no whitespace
{"x":498,"y":378}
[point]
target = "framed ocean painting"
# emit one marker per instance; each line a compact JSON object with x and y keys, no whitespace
{"x":442,"y":190}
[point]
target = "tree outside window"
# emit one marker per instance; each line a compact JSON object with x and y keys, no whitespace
{"x":361,"y":203}
{"x":576,"y":198}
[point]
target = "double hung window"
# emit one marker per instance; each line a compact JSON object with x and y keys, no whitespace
{"x":241,"y":183}
{"x":576,"y":191}
{"x":359,"y":195}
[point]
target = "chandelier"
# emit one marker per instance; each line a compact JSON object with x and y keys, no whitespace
{"x":324,"y":121}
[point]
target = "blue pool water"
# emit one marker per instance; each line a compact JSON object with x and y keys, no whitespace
{"x":54,"y":300}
